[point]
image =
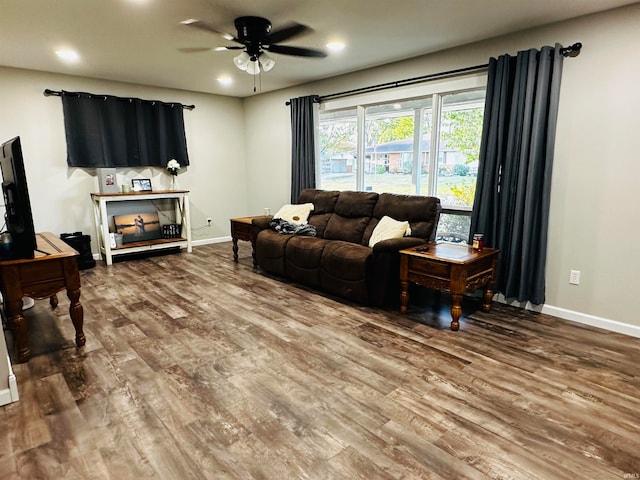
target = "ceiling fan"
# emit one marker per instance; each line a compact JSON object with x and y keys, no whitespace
{"x":256,"y":39}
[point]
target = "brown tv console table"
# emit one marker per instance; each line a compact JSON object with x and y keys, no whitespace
{"x":54,"y":267}
{"x":443,"y":266}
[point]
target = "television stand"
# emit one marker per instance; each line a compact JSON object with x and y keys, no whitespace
{"x":101,"y":201}
{"x":41,"y":277}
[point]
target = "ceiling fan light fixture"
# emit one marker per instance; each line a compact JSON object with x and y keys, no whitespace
{"x":253,"y":68}
{"x":242,"y":61}
{"x":267,"y":62}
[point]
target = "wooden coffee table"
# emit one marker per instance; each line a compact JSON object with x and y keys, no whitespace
{"x":448,"y":267}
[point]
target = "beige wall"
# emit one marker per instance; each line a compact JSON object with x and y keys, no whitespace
{"x":593,"y":226}
{"x":60,"y":195}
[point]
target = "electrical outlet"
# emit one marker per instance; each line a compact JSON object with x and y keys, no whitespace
{"x":574,"y":277}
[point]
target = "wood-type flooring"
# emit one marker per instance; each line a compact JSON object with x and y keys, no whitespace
{"x":197,"y":367}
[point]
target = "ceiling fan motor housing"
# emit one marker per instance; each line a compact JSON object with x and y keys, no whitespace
{"x":253,"y":32}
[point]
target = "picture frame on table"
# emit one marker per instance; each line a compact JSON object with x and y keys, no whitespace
{"x":107,"y":180}
{"x":138,"y":227}
{"x":141,"y":184}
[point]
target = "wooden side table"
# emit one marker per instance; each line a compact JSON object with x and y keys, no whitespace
{"x":455,"y":268}
{"x":241,"y":229}
{"x":54,"y":267}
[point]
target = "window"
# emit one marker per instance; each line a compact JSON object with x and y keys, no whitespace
{"x":426,"y":144}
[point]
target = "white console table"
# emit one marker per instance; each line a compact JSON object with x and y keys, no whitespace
{"x":103,"y":220}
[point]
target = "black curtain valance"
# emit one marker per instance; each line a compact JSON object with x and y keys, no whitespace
{"x":110,"y":131}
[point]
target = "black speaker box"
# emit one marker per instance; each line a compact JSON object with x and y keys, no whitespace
{"x":82,"y":243}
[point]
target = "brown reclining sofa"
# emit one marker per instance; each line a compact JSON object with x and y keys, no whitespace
{"x":338,"y":260}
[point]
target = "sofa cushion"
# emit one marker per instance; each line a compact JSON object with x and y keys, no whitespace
{"x":356,"y":204}
{"x":421,"y":212}
{"x":345,"y":228}
{"x":303,"y":255}
{"x":270,"y":251}
{"x":388,"y":228}
{"x":320,"y":222}
{"x":323,"y":201}
{"x":344,"y":270}
{"x":296,"y":214}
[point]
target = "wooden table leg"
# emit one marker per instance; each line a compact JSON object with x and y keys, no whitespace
{"x":488,"y":297}
{"x":404,"y":283}
{"x":253,"y":252}
{"x":404,"y":296}
{"x":72,"y":281}
{"x":456,"y":310}
{"x":235,"y":248}
{"x":18,"y":326}
{"x":77,"y":315}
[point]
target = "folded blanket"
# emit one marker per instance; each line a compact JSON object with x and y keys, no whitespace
{"x":282,"y":226}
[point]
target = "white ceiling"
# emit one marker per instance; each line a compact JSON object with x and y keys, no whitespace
{"x":138,"y":41}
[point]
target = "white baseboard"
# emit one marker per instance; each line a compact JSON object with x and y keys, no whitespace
{"x":578,"y":317}
{"x":208,"y":241}
{"x":592,"y":320}
{"x":10,"y":395}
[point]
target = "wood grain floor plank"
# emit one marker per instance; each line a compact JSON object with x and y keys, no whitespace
{"x":200,"y":367}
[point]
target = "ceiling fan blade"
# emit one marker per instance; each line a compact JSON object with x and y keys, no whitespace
{"x":228,"y":47}
{"x":287,"y":33}
{"x":200,"y":25}
{"x":194,"y":49}
{"x":298,"y":51}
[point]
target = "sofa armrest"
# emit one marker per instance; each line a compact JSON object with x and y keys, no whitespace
{"x":397,"y":244}
{"x":261,"y":223}
{"x":385,"y":269}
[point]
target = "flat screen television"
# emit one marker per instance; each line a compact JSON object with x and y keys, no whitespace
{"x":18,"y":218}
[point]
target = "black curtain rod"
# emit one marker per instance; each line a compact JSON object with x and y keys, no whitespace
{"x":570,"y":51}
{"x":397,"y":83}
{"x":47,"y":92}
{"x":402,"y":83}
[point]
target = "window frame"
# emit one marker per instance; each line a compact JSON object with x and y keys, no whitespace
{"x":435,"y":90}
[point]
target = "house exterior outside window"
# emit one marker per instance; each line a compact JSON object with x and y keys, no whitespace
{"x":425,"y":144}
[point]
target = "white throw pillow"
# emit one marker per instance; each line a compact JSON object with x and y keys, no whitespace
{"x":295,"y":214}
{"x":388,"y":228}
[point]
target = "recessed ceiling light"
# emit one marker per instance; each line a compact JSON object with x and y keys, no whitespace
{"x":225,"y":80}
{"x":335,"y":46}
{"x":70,"y":56}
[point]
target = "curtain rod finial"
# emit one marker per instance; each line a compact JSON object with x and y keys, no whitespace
{"x":571,"y":50}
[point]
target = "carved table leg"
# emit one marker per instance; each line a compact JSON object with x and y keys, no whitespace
{"x":404,"y":296}
{"x":77,"y":315}
{"x":488,"y":296}
{"x":456,"y":310}
{"x":235,"y":248}
{"x":19,"y":328}
{"x":253,"y":252}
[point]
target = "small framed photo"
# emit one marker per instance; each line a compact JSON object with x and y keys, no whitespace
{"x":141,"y":184}
{"x":107,"y":180}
